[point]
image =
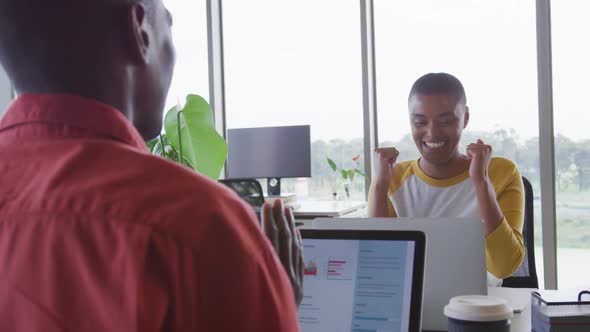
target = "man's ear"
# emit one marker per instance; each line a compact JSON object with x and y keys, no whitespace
{"x":139,"y":28}
{"x":466,"y":117}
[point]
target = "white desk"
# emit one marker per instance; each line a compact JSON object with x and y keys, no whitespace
{"x":306,"y":211}
{"x":521,"y":322}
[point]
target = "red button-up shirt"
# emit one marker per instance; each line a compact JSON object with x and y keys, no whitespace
{"x":96,"y":234}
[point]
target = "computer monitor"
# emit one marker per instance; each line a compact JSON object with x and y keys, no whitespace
{"x":269,"y":152}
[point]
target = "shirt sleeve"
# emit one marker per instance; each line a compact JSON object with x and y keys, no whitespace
{"x":242,"y":284}
{"x":505,"y":245}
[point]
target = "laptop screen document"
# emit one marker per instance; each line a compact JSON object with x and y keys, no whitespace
{"x":358,"y":284}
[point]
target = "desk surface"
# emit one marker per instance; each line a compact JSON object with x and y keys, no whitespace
{"x":521,"y":322}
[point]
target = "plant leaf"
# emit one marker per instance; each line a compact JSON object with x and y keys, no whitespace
{"x":351,"y":174}
{"x":202,"y":147}
{"x":332,"y":164}
{"x":168,"y":152}
{"x":151,"y":143}
{"x":344,"y":174}
{"x":158,"y":151}
{"x":357,"y":171}
{"x":162,"y":147}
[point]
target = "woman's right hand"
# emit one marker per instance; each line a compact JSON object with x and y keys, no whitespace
{"x":384,"y":160}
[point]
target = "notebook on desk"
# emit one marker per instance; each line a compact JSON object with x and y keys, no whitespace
{"x":362,"y":280}
{"x":455,"y":257}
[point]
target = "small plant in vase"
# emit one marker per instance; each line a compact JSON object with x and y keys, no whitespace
{"x":347,"y":174}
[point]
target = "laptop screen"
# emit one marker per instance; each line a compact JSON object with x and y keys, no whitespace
{"x":357,"y":284}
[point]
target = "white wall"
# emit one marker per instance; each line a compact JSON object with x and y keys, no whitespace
{"x":4,"y":91}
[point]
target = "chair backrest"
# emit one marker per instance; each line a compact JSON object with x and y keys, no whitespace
{"x":526,"y":275}
{"x":248,"y":189}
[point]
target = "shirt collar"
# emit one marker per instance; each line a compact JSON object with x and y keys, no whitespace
{"x":89,"y":115}
{"x":438,"y":182}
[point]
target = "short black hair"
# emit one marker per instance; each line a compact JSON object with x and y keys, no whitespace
{"x":39,"y":37}
{"x":22,"y":20}
{"x":439,"y":84}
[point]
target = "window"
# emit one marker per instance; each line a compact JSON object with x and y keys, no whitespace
{"x":298,"y":63}
{"x":5,"y":96}
{"x":491,"y":47}
{"x":572,"y":150}
{"x":189,"y":33}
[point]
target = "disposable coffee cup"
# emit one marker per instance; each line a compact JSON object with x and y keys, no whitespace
{"x":478,"y":313}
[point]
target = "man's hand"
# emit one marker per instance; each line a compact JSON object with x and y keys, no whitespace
{"x":384,"y":159}
{"x":278,"y":225}
{"x":480,"y":155}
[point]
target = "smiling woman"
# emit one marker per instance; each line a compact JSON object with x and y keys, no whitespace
{"x":495,"y":62}
{"x":447,"y":183}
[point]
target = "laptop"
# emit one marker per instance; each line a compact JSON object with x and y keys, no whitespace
{"x":362,"y":280}
{"x":455,"y":258}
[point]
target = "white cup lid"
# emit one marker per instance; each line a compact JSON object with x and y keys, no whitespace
{"x":478,"y":308}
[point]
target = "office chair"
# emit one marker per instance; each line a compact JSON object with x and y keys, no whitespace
{"x":248,"y":189}
{"x":526,"y":275}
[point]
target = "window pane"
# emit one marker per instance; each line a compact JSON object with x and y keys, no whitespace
{"x":298,"y":63}
{"x":491,"y":47}
{"x":189,"y":33}
{"x":572,"y":155}
{"x":5,"y":96}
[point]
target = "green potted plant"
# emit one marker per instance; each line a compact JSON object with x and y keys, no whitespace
{"x":191,"y":139}
{"x":347,"y":174}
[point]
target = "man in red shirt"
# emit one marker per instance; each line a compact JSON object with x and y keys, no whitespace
{"x":96,"y":234}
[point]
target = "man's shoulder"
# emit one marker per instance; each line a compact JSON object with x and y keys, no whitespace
{"x":186,"y":189}
{"x":154,"y":191}
{"x":154,"y":175}
{"x":185,"y":203}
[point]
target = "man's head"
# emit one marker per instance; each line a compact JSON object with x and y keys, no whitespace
{"x":118,"y":52}
{"x":438,"y":115}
